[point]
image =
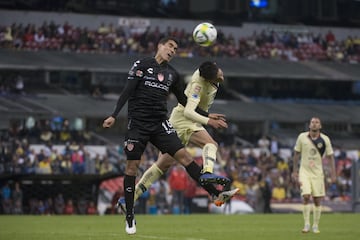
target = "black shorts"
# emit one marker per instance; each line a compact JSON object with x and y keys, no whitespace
{"x":161,"y":134}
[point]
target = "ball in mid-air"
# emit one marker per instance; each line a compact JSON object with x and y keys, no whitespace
{"x":205,"y":34}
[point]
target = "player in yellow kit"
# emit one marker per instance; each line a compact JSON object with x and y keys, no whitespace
{"x":311,"y":146}
{"x":200,"y":92}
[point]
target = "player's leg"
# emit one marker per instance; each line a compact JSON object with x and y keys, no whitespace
{"x":316,"y":214}
{"x":305,"y":187}
{"x":318,"y":194}
{"x":134,"y":148}
{"x":167,"y":141}
{"x":203,"y":139}
{"x":209,"y":147}
{"x":164,"y":162}
{"x":129,"y":186}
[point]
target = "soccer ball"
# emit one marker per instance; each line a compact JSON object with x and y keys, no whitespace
{"x":204,"y":34}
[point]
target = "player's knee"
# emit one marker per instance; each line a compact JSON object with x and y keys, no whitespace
{"x":165,"y":165}
{"x":306,"y":198}
{"x":183,"y":157}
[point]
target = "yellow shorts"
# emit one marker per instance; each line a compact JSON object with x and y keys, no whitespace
{"x":184,"y":126}
{"x":314,"y":186}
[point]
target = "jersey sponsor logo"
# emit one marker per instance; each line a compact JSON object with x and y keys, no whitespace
{"x":160,"y":77}
{"x":196,"y":96}
{"x":197,"y":89}
{"x":139,"y":73}
{"x":149,"y":77}
{"x":156,"y":85}
{"x":150,"y":70}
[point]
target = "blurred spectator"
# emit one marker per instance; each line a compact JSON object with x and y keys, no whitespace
{"x":81,"y":206}
{"x":162,"y":191}
{"x":189,"y":194}
{"x":77,"y":161}
{"x":274,"y":146}
{"x":177,"y":182}
{"x":141,"y":204}
{"x":17,"y":198}
{"x":278,"y":192}
{"x":19,"y":85}
{"x":6,"y":202}
{"x":91,"y":209}
{"x":59,"y":204}
{"x":106,"y":166}
{"x":49,"y":205}
{"x":69,"y":207}
{"x":264,"y":145}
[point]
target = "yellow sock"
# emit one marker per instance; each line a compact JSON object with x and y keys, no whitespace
{"x":209,"y":157}
{"x":317,"y":214}
{"x":152,"y":174}
{"x":306,"y":213}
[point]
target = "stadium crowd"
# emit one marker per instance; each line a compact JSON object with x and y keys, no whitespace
{"x":266,"y":44}
{"x":261,"y":173}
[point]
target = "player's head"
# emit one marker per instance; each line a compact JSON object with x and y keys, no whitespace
{"x":211,"y":72}
{"x":166,"y":49}
{"x":315,"y":124}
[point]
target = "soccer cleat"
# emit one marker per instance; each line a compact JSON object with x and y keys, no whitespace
{"x":121,"y":203}
{"x":306,"y":228}
{"x":315,"y":229}
{"x":207,"y":178}
{"x":225,"y":196}
{"x":130,"y":227}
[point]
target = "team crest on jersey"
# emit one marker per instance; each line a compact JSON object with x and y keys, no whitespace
{"x":312,"y":152}
{"x":319,"y":145}
{"x":130,"y":146}
{"x":160,"y":77}
{"x":139,"y":73}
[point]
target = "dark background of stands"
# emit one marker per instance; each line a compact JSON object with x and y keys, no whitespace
{"x":223,"y":12}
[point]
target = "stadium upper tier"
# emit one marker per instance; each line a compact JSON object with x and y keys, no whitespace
{"x":120,"y":63}
{"x":105,"y":34}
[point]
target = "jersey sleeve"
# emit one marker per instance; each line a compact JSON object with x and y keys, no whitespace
{"x":134,"y":74}
{"x":297,"y":146}
{"x":192,"y":103}
{"x":178,"y":89}
{"x":329,"y":150}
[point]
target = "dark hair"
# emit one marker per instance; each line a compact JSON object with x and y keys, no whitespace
{"x":166,"y":39}
{"x":208,"y":70}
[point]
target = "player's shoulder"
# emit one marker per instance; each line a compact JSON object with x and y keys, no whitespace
{"x":144,"y":61}
{"x":324,"y":136}
{"x":303,"y":135}
{"x":197,"y":78}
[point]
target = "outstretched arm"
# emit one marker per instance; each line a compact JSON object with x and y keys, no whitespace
{"x":124,"y":96}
